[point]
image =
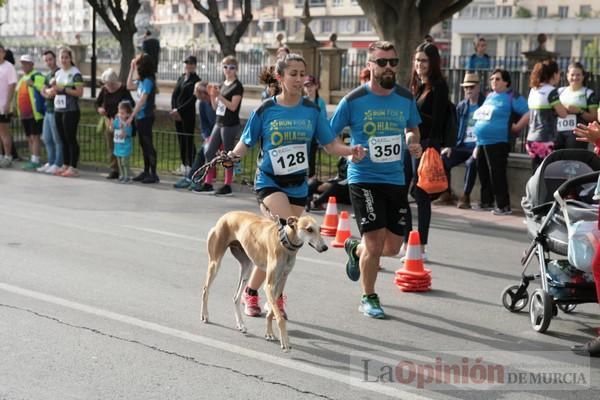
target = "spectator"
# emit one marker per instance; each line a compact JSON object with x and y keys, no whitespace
{"x":143,"y":113}
{"x":267,"y":78}
{"x":113,"y":92}
{"x":67,"y":89}
{"x":335,"y":187}
{"x":544,"y":105}
{"x":492,"y":129}
{"x":8,"y":83}
{"x":479,"y":60}
{"x":50,"y":135}
{"x":31,"y":108}
{"x":183,"y":112}
{"x":428,"y":38}
{"x":430,"y":91}
{"x":282,"y":52}
{"x":582,"y":105}
{"x":466,"y":141}
{"x":207,"y":123}
{"x":151,"y":46}
{"x":227,"y":102}
{"x":364,"y":76}
{"x":122,"y":137}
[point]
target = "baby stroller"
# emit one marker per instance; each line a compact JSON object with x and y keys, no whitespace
{"x":557,"y":195}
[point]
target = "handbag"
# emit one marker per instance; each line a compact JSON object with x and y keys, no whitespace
{"x":432,"y":176}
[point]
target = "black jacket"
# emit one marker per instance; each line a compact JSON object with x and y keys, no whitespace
{"x":183,"y":98}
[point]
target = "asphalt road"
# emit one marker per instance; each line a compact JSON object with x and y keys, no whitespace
{"x":100,"y":287}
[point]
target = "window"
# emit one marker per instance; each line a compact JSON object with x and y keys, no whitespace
{"x":337,"y":3}
{"x":345,"y":25}
{"x":175,"y":9}
{"x":505,"y":11}
{"x":585,"y":11}
{"x":466,"y":12}
{"x":563,"y":11}
{"x":513,"y":47}
{"x":492,"y":46}
{"x":563,"y":47}
{"x":487,"y":12}
{"x":364,"y":26}
{"x":199,"y":29}
{"x":466,"y":46}
{"x":326,"y":25}
{"x":542,"y":12}
{"x":315,"y":3}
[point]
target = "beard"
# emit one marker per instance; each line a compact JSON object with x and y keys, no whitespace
{"x":387,"y":81}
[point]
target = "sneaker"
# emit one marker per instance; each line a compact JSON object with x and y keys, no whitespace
{"x":60,"y":170}
{"x":150,"y":179}
{"x":5,"y":162}
{"x":30,"y":166}
{"x":445,"y":199}
{"x":70,"y":173}
{"x":113,"y":175}
{"x":52,"y":169}
{"x":352,"y":267}
{"x":224,"y":190}
{"x":280,"y":304}
{"x":183,"y":183}
{"x":140,"y":177}
{"x":43,"y":168}
{"x":205,"y":188}
{"x":464,"y":203}
{"x":251,"y":309}
{"x":485,"y":207}
{"x":502,"y":211}
{"x":370,"y":306}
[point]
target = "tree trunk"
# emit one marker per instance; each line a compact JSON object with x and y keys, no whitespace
{"x":127,"y":54}
{"x":228,"y":47}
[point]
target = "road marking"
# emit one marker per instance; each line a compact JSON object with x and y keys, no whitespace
{"x":216,"y":344}
{"x":197,"y":239}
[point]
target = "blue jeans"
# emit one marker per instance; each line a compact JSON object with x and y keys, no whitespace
{"x":460,"y":155}
{"x":52,"y":140}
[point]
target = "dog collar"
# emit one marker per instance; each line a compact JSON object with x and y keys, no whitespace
{"x":285,"y":240}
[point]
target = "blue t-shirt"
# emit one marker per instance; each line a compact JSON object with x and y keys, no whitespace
{"x":146,"y":86}
{"x":493,"y":117}
{"x":477,"y":62}
{"x":285,"y":134}
{"x":469,"y":140}
{"x":377,"y":123}
{"x":123,"y":147}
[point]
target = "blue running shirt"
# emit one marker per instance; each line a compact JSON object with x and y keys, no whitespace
{"x":285,"y":134}
{"x":493,"y":117}
{"x":377,"y":123}
{"x":146,"y":86}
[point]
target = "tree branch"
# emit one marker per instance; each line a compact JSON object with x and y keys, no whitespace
{"x":453,"y":9}
{"x":198,"y":6}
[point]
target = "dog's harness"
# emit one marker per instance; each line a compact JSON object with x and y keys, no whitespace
{"x":284,"y":238}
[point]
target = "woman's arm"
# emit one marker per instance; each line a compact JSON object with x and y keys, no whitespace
{"x":137,"y":108}
{"x":520,"y":124}
{"x":130,"y":84}
{"x":340,"y":149}
{"x":560,"y":110}
{"x":238,"y":151}
{"x":231,"y":105}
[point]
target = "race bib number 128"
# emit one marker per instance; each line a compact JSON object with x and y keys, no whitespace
{"x":289,"y":159}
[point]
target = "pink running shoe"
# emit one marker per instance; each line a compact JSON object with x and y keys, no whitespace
{"x":280,"y":304}
{"x":251,"y":309}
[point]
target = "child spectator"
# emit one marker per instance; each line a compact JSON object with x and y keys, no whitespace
{"x":122,"y":140}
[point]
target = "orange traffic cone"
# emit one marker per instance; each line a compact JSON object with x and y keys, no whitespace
{"x":330,"y":222}
{"x":413,"y":276}
{"x":343,"y":230}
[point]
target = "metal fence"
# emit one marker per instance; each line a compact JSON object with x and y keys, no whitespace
{"x":94,"y":152}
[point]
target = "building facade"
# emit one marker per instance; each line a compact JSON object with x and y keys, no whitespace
{"x":511,"y":27}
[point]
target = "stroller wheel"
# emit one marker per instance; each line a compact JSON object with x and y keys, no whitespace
{"x":567,"y":308}
{"x":541,"y":310}
{"x":514,"y":301}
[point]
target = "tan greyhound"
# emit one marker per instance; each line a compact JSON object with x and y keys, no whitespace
{"x":271,"y":246}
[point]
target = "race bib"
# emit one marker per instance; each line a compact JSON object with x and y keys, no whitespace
{"x":60,"y":101}
{"x":221,"y":109}
{"x":470,"y":135}
{"x":289,"y":159}
{"x":484,"y":113}
{"x":566,"y":124}
{"x":117,"y":138}
{"x":384,"y":149}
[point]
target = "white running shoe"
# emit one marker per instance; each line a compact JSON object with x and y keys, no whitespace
{"x":52,"y":169}
{"x":43,"y":168}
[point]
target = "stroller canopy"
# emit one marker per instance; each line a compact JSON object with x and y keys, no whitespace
{"x":557,"y":168}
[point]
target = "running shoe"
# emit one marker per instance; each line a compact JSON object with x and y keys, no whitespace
{"x":43,"y":168}
{"x":251,"y":309}
{"x":370,"y":306}
{"x":224,"y":190}
{"x":280,"y":304}
{"x":352,"y":266}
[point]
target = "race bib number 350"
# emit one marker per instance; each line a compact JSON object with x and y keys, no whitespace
{"x":384,"y":149}
{"x":289,"y":159}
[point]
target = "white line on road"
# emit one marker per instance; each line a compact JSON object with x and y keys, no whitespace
{"x":216,"y":344}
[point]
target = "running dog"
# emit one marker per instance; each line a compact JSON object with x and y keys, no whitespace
{"x":272,"y":246}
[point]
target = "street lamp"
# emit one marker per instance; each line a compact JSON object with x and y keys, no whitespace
{"x":93,"y":53}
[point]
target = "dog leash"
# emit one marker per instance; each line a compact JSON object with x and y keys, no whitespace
{"x":281,"y":223}
{"x":221,"y":158}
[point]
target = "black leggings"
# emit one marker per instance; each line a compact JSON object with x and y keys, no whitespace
{"x":422,"y":198}
{"x":66,"y":125}
{"x":144,"y":128}
{"x":185,"y":137}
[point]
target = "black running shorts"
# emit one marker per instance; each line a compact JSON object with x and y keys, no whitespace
{"x":379,"y":206}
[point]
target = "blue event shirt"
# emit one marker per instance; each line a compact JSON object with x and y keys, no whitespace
{"x":378,"y":121}
{"x":123,"y":147}
{"x":145,"y":86}
{"x":499,"y":108}
{"x":285,"y":134}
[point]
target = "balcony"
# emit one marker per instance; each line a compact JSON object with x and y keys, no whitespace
{"x":526,"y":26}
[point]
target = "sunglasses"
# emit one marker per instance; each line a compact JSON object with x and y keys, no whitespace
{"x":382,"y":62}
{"x":230,"y":67}
{"x":493,"y":78}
